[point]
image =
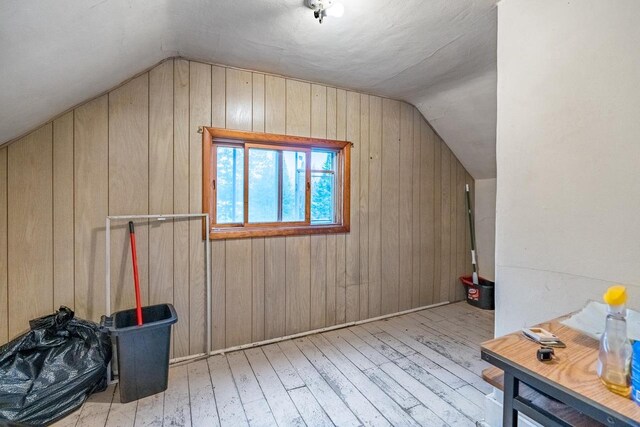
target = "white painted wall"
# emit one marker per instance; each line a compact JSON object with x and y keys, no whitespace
{"x":485,"y":221}
{"x":568,"y":156}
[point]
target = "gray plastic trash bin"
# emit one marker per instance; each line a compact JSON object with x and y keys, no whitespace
{"x":143,"y":351}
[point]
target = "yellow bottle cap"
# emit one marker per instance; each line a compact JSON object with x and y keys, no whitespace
{"x":615,"y":295}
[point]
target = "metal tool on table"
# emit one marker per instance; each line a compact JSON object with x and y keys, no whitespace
{"x":543,"y":337}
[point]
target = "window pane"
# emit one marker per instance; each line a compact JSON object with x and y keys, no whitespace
{"x":323,"y":191}
{"x":322,"y":160}
{"x":263,"y":185}
{"x":322,"y":198}
{"x":230,"y":185}
{"x":293,"y":185}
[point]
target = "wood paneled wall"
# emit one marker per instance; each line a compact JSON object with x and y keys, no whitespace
{"x":136,"y":150}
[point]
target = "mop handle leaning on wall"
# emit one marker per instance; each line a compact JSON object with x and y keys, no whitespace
{"x":474,"y":263}
{"x":136,"y":278}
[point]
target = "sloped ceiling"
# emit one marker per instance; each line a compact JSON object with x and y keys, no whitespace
{"x":439,"y":55}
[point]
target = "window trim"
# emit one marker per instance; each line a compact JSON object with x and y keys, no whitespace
{"x":255,"y":140}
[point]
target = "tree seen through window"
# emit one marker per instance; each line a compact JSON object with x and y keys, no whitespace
{"x":276,"y":185}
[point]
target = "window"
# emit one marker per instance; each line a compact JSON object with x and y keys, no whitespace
{"x":270,"y":185}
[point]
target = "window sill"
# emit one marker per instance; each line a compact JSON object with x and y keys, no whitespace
{"x":248,"y":232}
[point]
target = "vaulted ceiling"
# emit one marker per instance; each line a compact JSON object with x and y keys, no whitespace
{"x":439,"y":55}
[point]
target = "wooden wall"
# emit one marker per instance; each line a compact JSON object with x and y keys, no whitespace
{"x":136,"y":150}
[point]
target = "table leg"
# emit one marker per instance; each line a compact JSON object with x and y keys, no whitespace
{"x":511,"y":386}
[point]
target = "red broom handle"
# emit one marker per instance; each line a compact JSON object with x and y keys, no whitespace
{"x":136,"y":278}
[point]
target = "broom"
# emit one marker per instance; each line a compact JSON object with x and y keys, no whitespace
{"x":473,"y":237}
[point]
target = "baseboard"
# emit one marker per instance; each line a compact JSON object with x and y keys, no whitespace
{"x":194,"y":357}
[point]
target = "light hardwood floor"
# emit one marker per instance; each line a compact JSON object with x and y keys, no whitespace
{"x":422,"y":368}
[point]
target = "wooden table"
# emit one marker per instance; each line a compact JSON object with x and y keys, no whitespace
{"x":570,"y":378}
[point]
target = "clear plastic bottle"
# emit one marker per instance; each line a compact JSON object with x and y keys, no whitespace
{"x":615,"y":348}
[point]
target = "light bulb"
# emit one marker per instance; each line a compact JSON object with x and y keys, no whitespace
{"x":336,"y":10}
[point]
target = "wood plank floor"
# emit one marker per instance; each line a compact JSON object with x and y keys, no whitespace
{"x":421,"y":368}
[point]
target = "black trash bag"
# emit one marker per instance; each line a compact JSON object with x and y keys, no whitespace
{"x":50,"y":371}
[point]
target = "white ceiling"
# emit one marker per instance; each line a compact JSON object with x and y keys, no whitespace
{"x":440,"y":55}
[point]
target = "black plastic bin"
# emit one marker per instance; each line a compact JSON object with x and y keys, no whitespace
{"x":143,"y":351}
{"x":481,"y":295}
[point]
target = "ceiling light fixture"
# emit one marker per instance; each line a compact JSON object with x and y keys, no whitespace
{"x":322,"y":8}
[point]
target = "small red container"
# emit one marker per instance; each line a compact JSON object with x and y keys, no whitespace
{"x":481,"y":295}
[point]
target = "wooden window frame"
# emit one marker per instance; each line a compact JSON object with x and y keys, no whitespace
{"x":212,"y":137}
